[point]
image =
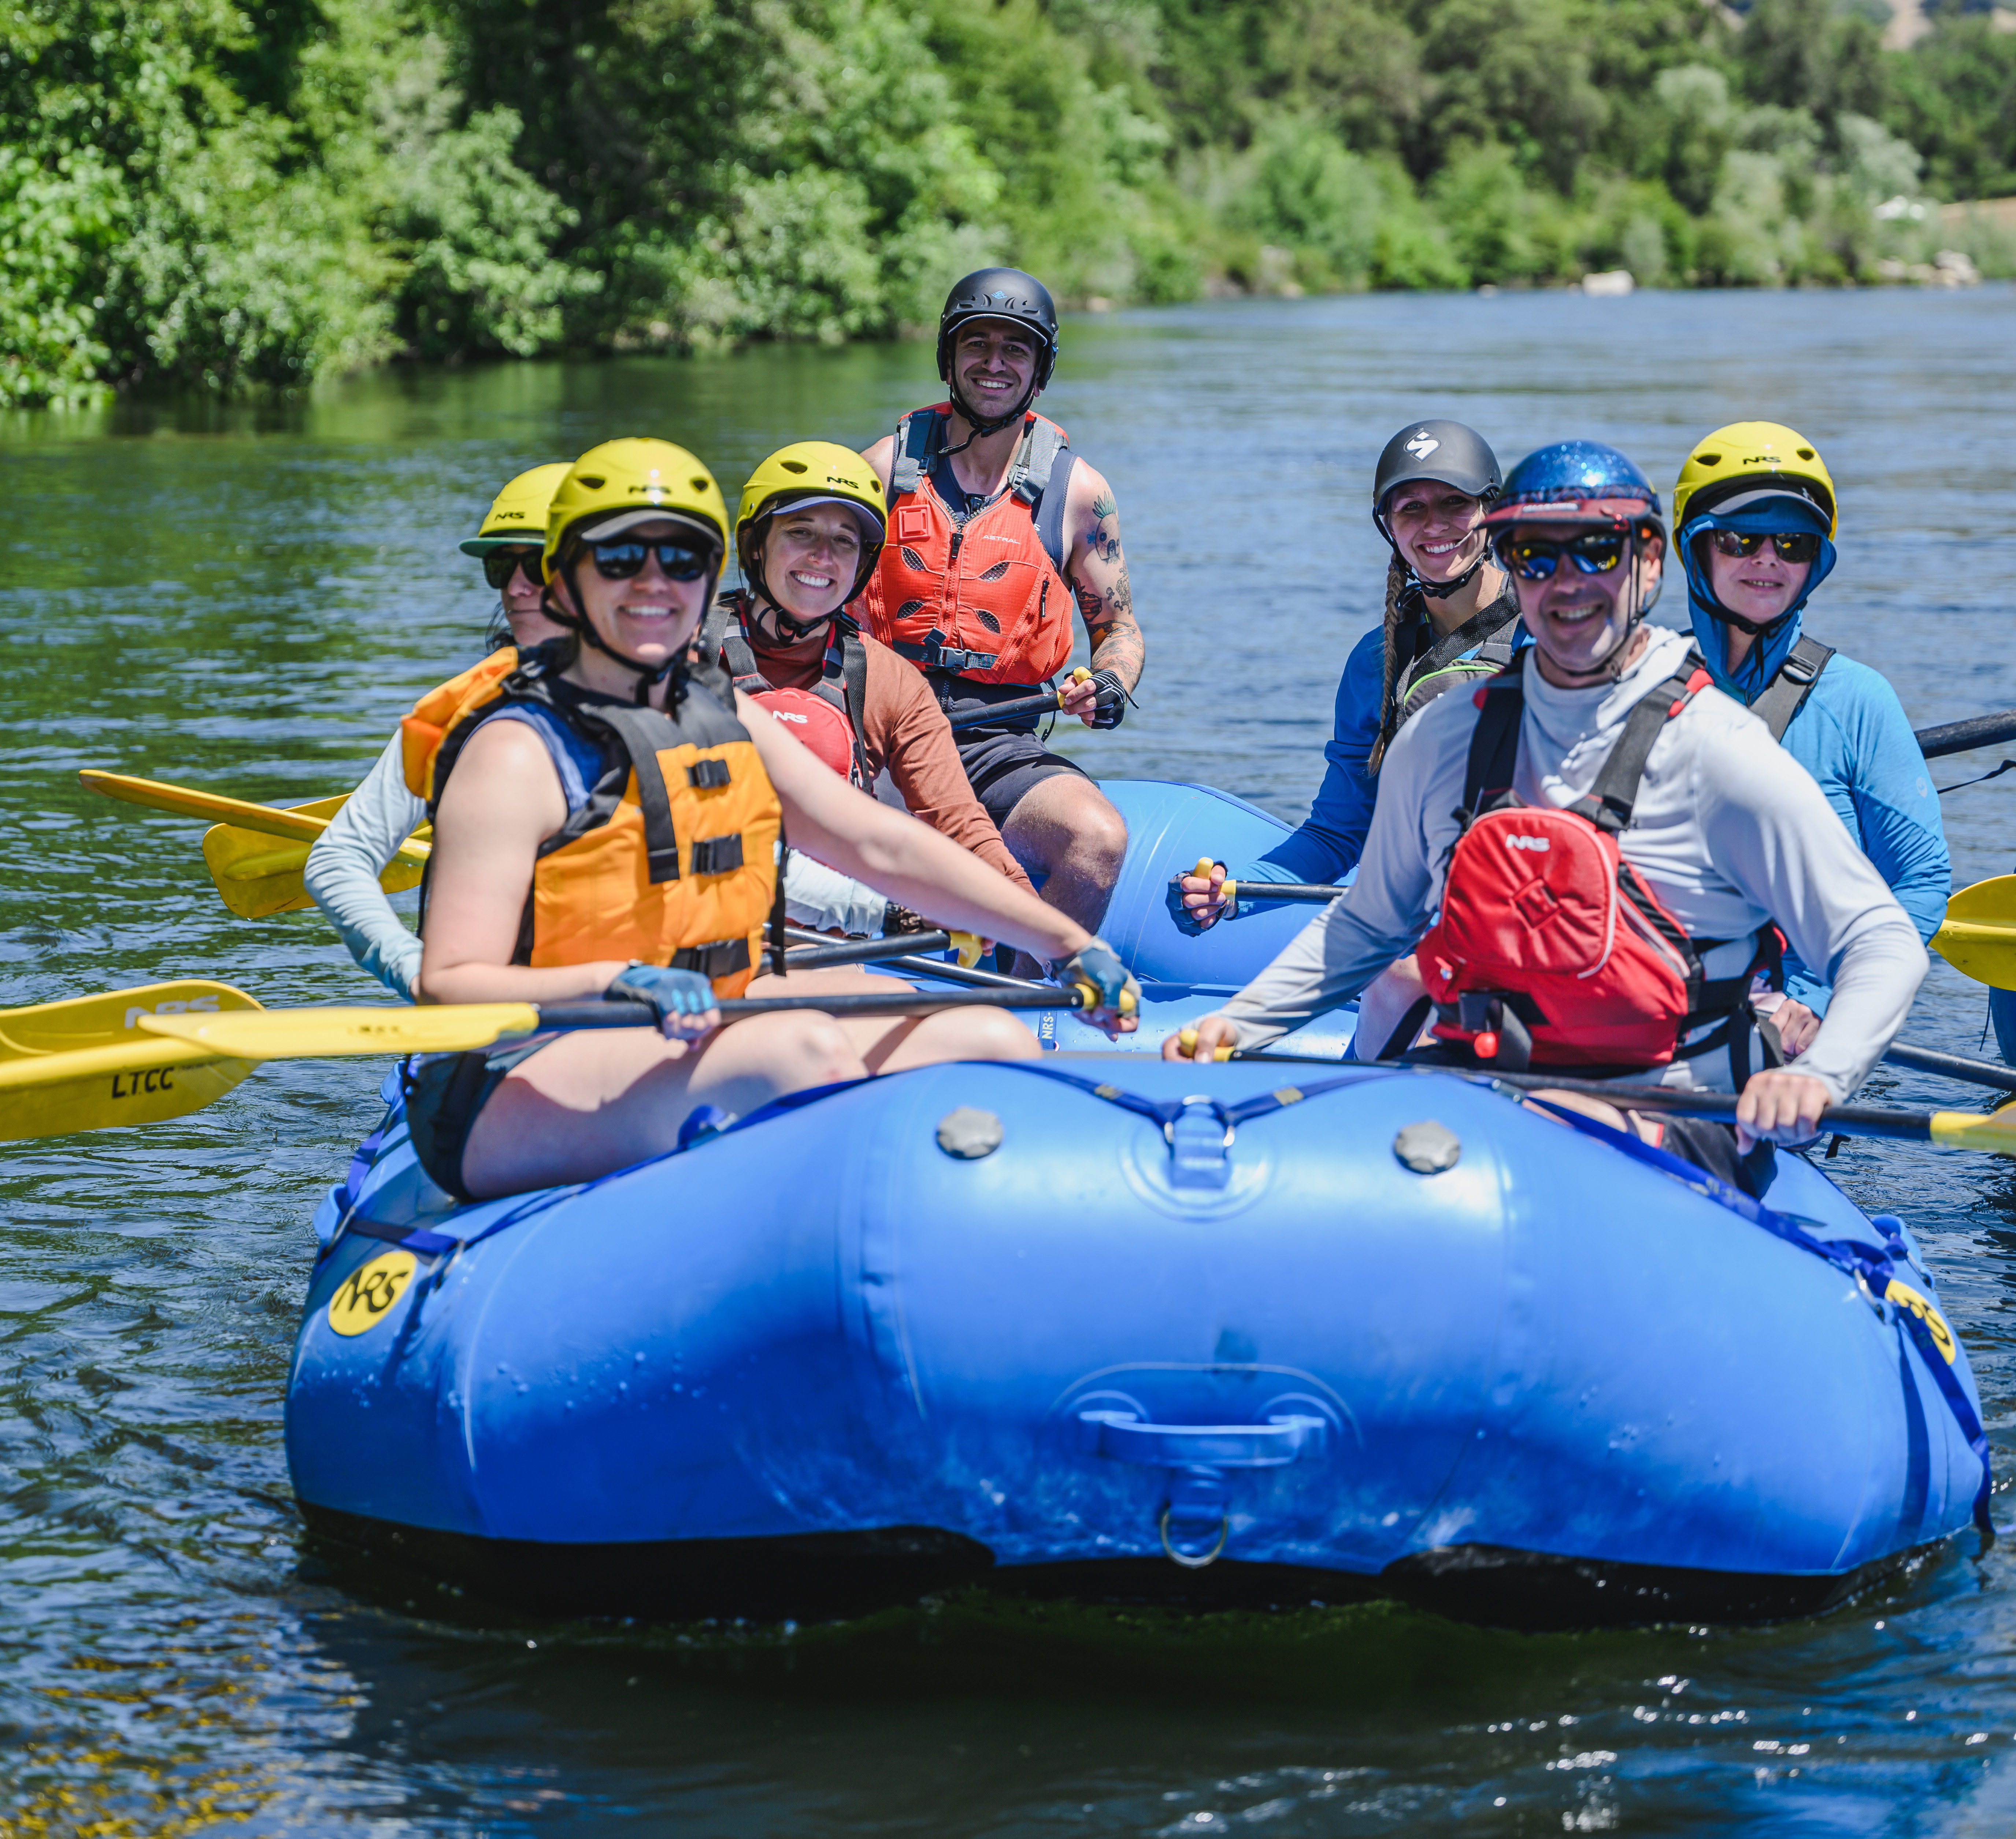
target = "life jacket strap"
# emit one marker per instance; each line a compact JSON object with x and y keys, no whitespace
{"x":935,"y":654}
{"x":722,"y":957}
{"x":1785,"y":695}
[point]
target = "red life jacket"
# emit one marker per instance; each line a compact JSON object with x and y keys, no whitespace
{"x":984,"y":598}
{"x":1551,"y":950}
{"x":723,"y":643}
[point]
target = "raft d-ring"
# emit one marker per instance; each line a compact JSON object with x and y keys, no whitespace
{"x":1210,"y":1105}
{"x":1183,"y":1559}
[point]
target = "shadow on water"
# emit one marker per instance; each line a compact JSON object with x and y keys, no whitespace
{"x":247,"y":598}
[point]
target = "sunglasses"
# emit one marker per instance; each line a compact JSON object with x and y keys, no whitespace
{"x":1792,"y":545}
{"x":500,"y":565}
{"x":622,"y":557}
{"x":1534,"y":560}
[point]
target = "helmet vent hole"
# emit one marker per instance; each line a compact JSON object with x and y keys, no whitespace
{"x":794,"y":466}
{"x":1709,"y":459}
{"x":593,"y":485}
{"x":699,"y":484}
{"x":1806,"y":453}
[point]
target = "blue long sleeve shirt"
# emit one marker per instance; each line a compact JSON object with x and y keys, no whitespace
{"x":1852,"y":735}
{"x":1331,"y":837}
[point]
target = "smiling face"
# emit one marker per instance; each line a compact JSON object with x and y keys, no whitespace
{"x":650,"y":616}
{"x":1759,"y":588}
{"x":1438,"y":530}
{"x":1579,"y":620}
{"x":810,"y":555}
{"x":525,"y":600}
{"x":994,"y":364}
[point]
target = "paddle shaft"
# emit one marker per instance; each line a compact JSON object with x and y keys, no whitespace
{"x":1958,"y":737}
{"x":863,"y":951}
{"x":639,"y":1014}
{"x":1950,"y":1066}
{"x":1014,"y":712}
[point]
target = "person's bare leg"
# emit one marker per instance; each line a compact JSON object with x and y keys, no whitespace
{"x":1064,"y":829}
{"x":601,"y":1099}
{"x":1383,"y":1006}
{"x":888,"y":1044}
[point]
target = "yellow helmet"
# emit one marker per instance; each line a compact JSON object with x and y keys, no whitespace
{"x":811,"y":472}
{"x":620,"y":483}
{"x":518,"y":514}
{"x":1758,"y":455}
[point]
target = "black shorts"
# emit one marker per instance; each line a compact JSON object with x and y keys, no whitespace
{"x":1003,"y":763}
{"x":1005,"y":768}
{"x":445,"y":1093}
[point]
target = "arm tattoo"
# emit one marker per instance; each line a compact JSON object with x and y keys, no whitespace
{"x":1102,"y":541}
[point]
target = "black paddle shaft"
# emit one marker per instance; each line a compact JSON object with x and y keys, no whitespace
{"x":1014,"y":712}
{"x":640,"y":1015}
{"x":1958,"y":737}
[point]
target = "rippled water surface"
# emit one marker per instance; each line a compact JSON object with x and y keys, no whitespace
{"x":247,"y":599}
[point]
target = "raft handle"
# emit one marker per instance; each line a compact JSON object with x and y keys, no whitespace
{"x":1121,"y":1436}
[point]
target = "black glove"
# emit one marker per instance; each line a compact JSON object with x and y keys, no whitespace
{"x":1109,"y":707}
{"x":897,"y":920}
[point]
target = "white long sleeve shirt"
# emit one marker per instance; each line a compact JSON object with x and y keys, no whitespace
{"x":343,"y":867}
{"x":1729,"y":831}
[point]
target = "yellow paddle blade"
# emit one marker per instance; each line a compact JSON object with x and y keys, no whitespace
{"x":321,"y":1034}
{"x":97,"y":1088}
{"x":110,"y":1019}
{"x":1995,"y":1132}
{"x":258,"y":873}
{"x":1978,"y":938}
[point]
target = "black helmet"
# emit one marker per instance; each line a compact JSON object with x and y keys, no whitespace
{"x":1001,"y":293}
{"x":1450,"y":454}
{"x":1446,"y":451}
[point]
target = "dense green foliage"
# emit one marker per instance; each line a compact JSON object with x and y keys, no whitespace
{"x":195,"y":191}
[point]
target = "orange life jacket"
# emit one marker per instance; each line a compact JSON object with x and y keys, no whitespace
{"x":986,"y":598}
{"x":672,"y":860}
{"x":1551,"y":950}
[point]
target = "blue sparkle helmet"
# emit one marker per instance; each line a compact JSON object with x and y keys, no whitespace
{"x":1578,"y":482}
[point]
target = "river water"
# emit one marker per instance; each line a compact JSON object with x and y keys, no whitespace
{"x":246,"y":599}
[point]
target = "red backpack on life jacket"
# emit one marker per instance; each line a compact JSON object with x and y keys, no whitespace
{"x":723,"y":651}
{"x":812,"y":722}
{"x":1550,"y":949}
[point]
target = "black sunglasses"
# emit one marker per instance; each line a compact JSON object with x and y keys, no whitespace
{"x":621,"y":557}
{"x":500,"y":565}
{"x":1535,"y":560}
{"x":1792,"y":545}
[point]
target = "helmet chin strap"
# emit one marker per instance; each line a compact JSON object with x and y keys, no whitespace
{"x":1721,"y":616}
{"x":1433,"y":590}
{"x":981,"y":426}
{"x":649,"y":676}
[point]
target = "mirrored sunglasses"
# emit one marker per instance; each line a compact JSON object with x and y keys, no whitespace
{"x":1791,"y":545}
{"x":622,"y":557}
{"x":1532,"y":560}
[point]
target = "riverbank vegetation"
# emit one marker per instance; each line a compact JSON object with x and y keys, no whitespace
{"x":255,"y":195}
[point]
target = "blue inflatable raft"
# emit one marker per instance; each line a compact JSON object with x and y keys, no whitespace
{"x":1119,"y":1327}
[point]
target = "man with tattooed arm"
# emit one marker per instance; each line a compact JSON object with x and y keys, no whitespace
{"x":996,"y":528}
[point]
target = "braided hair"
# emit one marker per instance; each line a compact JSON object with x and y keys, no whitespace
{"x":1399,"y":617}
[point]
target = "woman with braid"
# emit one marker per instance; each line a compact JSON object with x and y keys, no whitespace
{"x":1451,"y":615}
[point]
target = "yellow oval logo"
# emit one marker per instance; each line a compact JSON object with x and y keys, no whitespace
{"x":1921,"y":1306}
{"x":365,"y":1298}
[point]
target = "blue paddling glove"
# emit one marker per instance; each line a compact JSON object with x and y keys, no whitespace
{"x":1098,"y":966}
{"x":679,"y":998}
